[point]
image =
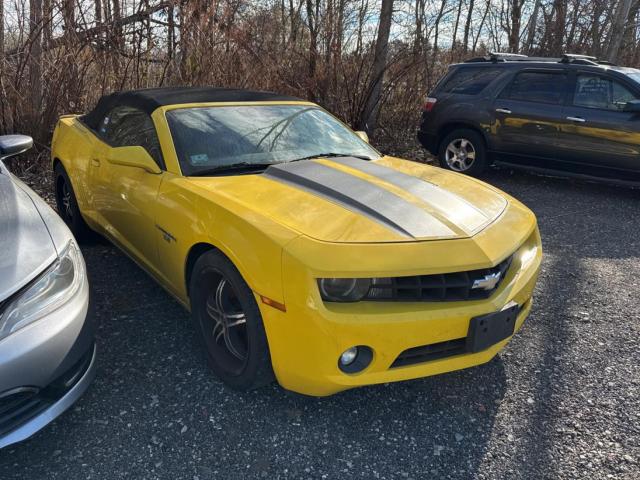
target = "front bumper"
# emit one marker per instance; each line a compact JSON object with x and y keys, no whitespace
{"x":306,"y":340}
{"x":45,"y":367}
{"x":28,"y":414}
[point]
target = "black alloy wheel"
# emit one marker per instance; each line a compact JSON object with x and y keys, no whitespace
{"x":229,"y":324}
{"x":67,"y":205}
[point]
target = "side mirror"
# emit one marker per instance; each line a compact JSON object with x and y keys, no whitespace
{"x":11,"y":145}
{"x":363,"y":136}
{"x":632,"y":106}
{"x":136,"y":157}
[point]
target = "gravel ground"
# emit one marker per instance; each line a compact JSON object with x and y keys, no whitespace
{"x":562,"y":400}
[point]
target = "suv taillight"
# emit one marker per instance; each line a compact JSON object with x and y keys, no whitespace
{"x":431,"y":102}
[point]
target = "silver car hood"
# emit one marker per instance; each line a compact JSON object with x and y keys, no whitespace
{"x":26,"y":246}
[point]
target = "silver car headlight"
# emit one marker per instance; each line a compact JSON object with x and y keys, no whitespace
{"x":52,"y":289}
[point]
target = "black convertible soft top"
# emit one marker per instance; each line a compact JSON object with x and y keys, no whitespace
{"x":150,"y":99}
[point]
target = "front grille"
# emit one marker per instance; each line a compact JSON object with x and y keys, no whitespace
{"x":17,"y":408}
{"x":444,"y":287}
{"x":20,"y":405}
{"x":434,"y":351}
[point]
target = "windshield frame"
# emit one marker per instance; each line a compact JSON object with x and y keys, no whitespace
{"x":189,"y":106}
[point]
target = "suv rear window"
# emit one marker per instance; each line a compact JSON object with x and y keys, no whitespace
{"x":470,"y":81}
{"x":595,"y":91}
{"x":539,"y":87}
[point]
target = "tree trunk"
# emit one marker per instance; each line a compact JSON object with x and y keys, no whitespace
{"x":533,"y":24}
{"x":312,"y":16}
{"x":484,"y":19}
{"x":455,"y":28}
{"x":443,"y":4}
{"x":1,"y":33}
{"x":118,"y":38}
{"x":514,"y":28}
{"x":617,"y":29}
{"x":47,"y":22}
{"x":467,"y":27}
{"x":35,"y":58}
{"x":171,"y":32}
{"x":557,"y":40}
{"x":369,"y":117}
{"x":69,"y":15}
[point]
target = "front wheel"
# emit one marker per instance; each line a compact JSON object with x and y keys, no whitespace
{"x":67,"y":205}
{"x":463,"y":151}
{"x":228,"y":322}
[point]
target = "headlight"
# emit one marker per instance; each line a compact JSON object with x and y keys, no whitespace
{"x":344,"y":289}
{"x":51,"y":290}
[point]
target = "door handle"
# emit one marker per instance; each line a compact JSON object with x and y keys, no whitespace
{"x":95,"y":162}
{"x":503,"y":110}
{"x":576,"y":119}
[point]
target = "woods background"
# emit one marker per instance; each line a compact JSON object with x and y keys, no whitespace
{"x":369,"y":61}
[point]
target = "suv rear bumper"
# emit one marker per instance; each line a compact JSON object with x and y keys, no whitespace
{"x":429,"y":141}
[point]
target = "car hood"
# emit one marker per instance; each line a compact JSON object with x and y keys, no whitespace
{"x":357,"y":201}
{"x":26,"y":247}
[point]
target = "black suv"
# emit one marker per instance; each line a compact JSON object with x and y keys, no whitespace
{"x":571,"y":115}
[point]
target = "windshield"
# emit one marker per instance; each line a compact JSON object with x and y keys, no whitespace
{"x":208,"y":138}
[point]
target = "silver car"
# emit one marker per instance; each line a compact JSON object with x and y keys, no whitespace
{"x":47,"y":350}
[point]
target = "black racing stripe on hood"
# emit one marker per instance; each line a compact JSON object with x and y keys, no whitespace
{"x":361,"y":196}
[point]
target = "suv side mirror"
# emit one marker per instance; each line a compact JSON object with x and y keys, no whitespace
{"x":632,"y":106}
{"x":135,"y":156}
{"x":11,"y":145}
{"x":363,"y":136}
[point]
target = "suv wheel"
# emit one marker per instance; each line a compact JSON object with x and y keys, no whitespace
{"x":463,"y":151}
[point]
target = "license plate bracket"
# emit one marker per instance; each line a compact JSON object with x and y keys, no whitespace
{"x":487,"y":330}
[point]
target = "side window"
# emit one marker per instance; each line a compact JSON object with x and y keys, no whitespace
{"x":126,"y":126}
{"x":595,"y":91}
{"x":470,"y":80}
{"x":538,"y":87}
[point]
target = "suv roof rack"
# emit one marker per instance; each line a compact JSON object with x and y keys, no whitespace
{"x":580,"y":59}
{"x":495,"y":57}
{"x":499,"y":57}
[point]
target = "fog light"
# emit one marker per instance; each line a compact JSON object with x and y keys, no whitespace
{"x":348,"y":356}
{"x":355,"y":359}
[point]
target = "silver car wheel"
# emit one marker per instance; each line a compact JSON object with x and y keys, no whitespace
{"x":460,"y":155}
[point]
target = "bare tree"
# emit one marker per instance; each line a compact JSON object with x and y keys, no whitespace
{"x":35,"y":58}
{"x":369,"y":118}
{"x":467,"y":26}
{"x":532,"y":26}
{"x":1,"y":32}
{"x":617,"y":29}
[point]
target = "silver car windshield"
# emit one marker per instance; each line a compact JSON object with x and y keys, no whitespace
{"x":211,"y":139}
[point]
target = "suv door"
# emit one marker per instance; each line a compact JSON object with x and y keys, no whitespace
{"x":127,"y":195}
{"x":597,"y":133}
{"x":527,"y":115}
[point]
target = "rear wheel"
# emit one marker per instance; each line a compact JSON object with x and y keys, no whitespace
{"x":229,"y":324}
{"x":463,"y":151}
{"x":67,"y":204}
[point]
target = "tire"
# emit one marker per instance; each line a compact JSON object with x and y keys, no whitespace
{"x":456,"y":149}
{"x":68,"y":206}
{"x":228,"y":323}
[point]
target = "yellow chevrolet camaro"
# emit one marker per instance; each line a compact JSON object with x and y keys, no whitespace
{"x":302,"y":253}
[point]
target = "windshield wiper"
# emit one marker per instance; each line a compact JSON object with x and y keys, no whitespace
{"x":331,"y":155}
{"x":242,"y":167}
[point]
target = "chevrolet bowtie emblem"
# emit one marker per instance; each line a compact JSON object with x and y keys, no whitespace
{"x":488,"y":282}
